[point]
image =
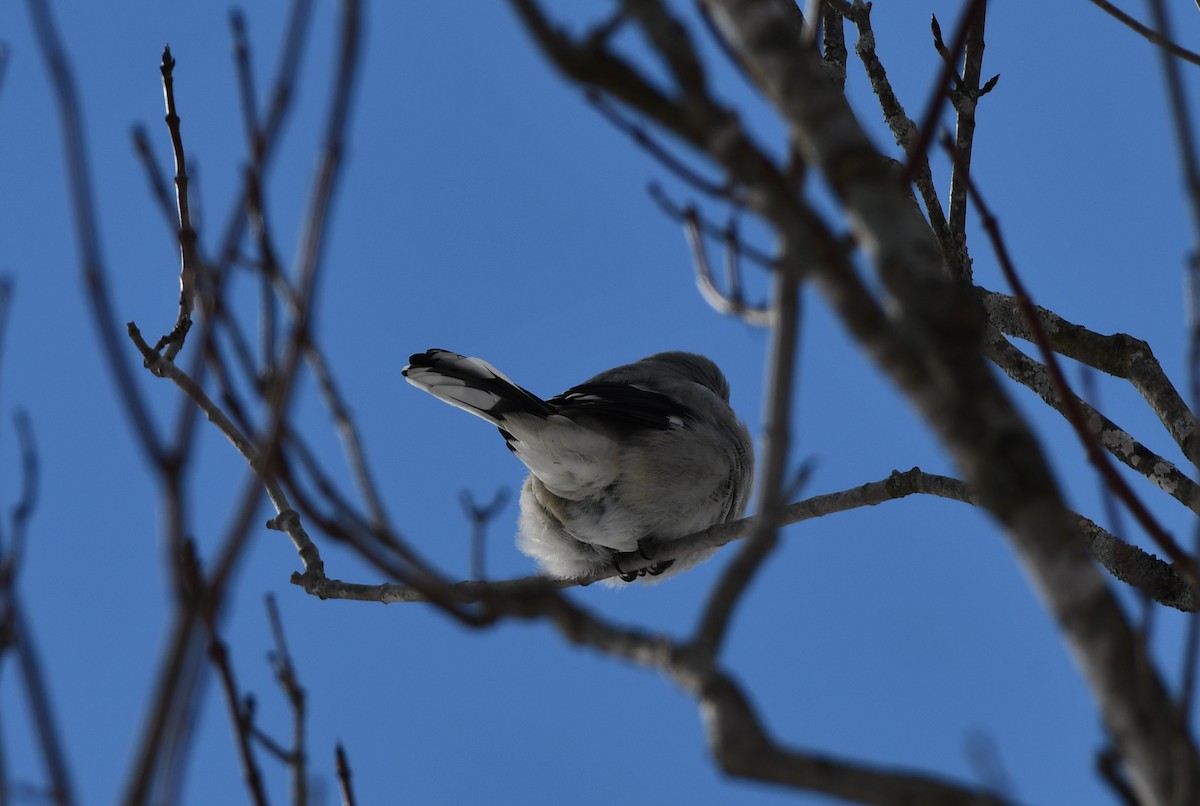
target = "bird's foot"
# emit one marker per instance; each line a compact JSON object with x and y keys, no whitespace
{"x":659,"y":568}
{"x":626,"y":576}
{"x":652,"y":570}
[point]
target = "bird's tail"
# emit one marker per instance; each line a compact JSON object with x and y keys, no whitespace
{"x":472,"y":385}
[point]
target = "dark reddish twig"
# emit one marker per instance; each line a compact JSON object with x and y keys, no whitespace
{"x":1154,"y":36}
{"x":680,"y":214}
{"x":730,"y":302}
{"x":1096,"y":455}
{"x":19,"y":634}
{"x":93,"y":271}
{"x":659,"y":152}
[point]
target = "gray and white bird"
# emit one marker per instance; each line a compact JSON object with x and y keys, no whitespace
{"x":640,"y":454}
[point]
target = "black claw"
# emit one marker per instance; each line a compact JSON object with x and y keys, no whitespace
{"x":653,"y":570}
{"x":625,"y":577}
{"x":659,"y":568}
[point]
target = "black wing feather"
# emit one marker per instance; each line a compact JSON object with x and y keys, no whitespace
{"x":621,"y":405}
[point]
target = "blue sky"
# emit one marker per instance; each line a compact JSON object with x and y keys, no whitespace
{"x":486,"y":209}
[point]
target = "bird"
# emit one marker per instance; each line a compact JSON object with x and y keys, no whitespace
{"x":628,"y":460}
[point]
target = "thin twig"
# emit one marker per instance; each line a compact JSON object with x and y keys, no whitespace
{"x":354,"y":524}
{"x":348,"y":435}
{"x":659,"y":152}
{"x":680,"y":215}
{"x":189,"y":262}
{"x":731,"y":303}
{"x":6,"y":301}
{"x":37,"y":698}
{"x":343,"y":775}
{"x":152,"y":778}
{"x":245,"y":76}
{"x":19,"y":633}
{"x":163,"y":368}
{"x":22,"y":511}
{"x":965,"y":97}
{"x":480,"y":517}
{"x":282,"y":93}
{"x":328,"y":170}
{"x":777,"y":443}
{"x":255,"y":202}
{"x":904,"y":129}
{"x":270,"y":277}
{"x":938,"y":95}
{"x":352,"y":444}
{"x":1112,"y":512}
{"x":1181,"y":117}
{"x":285,"y":674}
{"x":1154,"y":36}
{"x":240,"y":714}
{"x":155,"y":178}
{"x":94,"y":273}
